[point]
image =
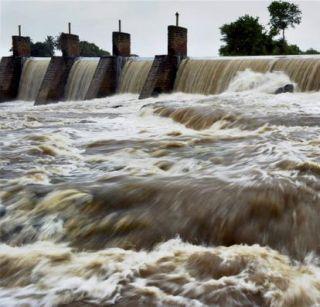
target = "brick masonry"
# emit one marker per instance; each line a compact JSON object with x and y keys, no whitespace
{"x":177,"y":41}
{"x":21,"y":46}
{"x":70,"y":45}
{"x":121,"y":44}
{"x":10,"y":72}
{"x":161,"y":76}
{"x":55,"y":80}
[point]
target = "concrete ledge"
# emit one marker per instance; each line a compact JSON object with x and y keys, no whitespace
{"x":55,"y":80}
{"x":10,"y":72}
{"x":161,"y":76}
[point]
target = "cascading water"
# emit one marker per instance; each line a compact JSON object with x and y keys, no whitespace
{"x":31,"y":78}
{"x":79,"y":79}
{"x":214,"y":76}
{"x":303,"y":71}
{"x":134,"y":75}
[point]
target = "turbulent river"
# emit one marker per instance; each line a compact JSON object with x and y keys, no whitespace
{"x":179,"y":200}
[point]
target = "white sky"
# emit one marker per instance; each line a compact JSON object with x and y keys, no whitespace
{"x":146,"y":21}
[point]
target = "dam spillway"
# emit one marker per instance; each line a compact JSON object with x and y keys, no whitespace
{"x":32,"y":76}
{"x":214,"y":76}
{"x":71,"y":77}
{"x":195,"y":76}
{"x":80,"y":78}
{"x":134,"y":75}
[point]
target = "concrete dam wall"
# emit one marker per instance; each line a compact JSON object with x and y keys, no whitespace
{"x":71,"y":77}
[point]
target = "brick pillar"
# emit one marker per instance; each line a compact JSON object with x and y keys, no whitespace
{"x":164,"y":68}
{"x":69,"y":44}
{"x":177,"y":41}
{"x":121,"y":44}
{"x":21,"y":46}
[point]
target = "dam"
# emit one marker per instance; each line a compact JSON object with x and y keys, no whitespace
{"x":72,"y":77}
{"x":194,"y":76}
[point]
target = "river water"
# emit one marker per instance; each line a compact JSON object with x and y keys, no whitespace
{"x":179,"y":200}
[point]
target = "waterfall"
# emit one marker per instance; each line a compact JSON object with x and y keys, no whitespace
{"x":214,"y":76}
{"x":134,"y":75}
{"x":79,"y":79}
{"x":303,"y":71}
{"x":31,"y":78}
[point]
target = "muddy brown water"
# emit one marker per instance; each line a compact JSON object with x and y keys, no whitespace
{"x":180,"y":200}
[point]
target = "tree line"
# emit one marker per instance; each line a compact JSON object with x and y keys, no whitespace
{"x":246,"y":36}
{"x":50,"y":44}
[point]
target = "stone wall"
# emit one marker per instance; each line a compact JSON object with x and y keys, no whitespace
{"x":161,"y":76}
{"x":55,"y":80}
{"x":121,"y":44}
{"x":10,"y":72}
{"x":177,"y":41}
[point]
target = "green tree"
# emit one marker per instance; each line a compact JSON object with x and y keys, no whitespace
{"x":245,"y":36}
{"x":311,"y":51}
{"x":43,"y":49}
{"x":282,"y":16}
{"x":91,"y":50}
{"x":283,"y":48}
{"x":87,"y":49}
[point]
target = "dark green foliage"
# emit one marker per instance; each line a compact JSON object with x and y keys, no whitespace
{"x":311,"y":51}
{"x":43,"y":49}
{"x":283,"y":15}
{"x":245,"y":36}
{"x":281,"y":47}
{"x":86,"y":49}
{"x":91,"y":50}
{"x":291,"y":50}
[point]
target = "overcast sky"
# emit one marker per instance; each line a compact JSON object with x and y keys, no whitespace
{"x":146,"y":21}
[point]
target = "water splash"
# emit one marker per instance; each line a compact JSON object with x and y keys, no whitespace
{"x":267,"y":82}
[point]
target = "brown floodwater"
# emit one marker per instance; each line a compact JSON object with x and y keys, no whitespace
{"x":179,"y":200}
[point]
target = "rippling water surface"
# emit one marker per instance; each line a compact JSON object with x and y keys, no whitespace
{"x":180,"y":200}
